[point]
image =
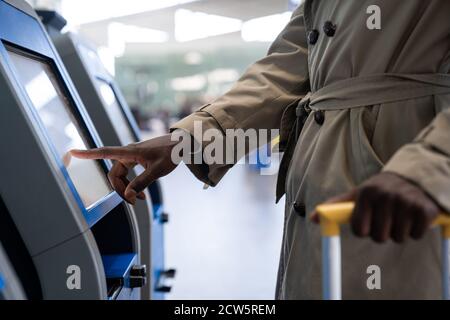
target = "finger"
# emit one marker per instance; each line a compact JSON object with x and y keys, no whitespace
{"x":401,"y":224}
{"x":420,"y":223}
{"x":138,"y":184}
{"x":362,"y":214}
{"x":114,"y":153}
{"x":381,"y":223}
{"x":141,"y":196}
{"x":118,"y":178}
{"x":315,"y":217}
{"x":130,"y":165}
{"x":67,"y":157}
{"x":349,"y":196}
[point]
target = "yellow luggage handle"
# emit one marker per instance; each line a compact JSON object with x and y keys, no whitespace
{"x":332,"y":215}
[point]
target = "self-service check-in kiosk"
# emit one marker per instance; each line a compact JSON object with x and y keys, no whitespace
{"x":80,"y":236}
{"x":10,"y":286}
{"x":116,"y":126}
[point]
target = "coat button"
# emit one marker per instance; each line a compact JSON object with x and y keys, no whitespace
{"x":329,"y":28}
{"x":313,"y":35}
{"x":319,"y":117}
{"x":299,"y":208}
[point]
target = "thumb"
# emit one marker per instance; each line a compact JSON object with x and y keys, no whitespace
{"x":138,"y":184}
{"x":349,"y":196}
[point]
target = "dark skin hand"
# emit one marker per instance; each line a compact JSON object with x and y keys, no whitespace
{"x":386,"y":206}
{"x":154,"y":155}
{"x":389,"y":207}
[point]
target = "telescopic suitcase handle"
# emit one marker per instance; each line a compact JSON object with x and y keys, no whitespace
{"x":335,"y":214}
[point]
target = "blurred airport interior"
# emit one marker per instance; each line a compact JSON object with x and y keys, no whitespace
{"x":170,"y":57}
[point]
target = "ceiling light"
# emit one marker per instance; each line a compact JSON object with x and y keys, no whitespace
{"x":265,"y":29}
{"x":193,"y":58}
{"x":119,"y":34}
{"x":222,"y":75}
{"x":85,"y":11}
{"x":191,"y":83}
{"x":134,"y":34}
{"x":191,"y":25}
{"x":108,"y":59}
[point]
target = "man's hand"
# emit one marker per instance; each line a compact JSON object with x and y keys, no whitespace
{"x":388,"y":206}
{"x":154,"y":155}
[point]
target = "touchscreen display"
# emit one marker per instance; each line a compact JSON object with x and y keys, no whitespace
{"x":115,"y":112}
{"x":50,"y":102}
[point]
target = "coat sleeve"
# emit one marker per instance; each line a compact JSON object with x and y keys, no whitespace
{"x":260,"y":96}
{"x":426,"y":161}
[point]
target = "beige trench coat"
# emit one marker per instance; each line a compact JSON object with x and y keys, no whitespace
{"x":379,"y":100}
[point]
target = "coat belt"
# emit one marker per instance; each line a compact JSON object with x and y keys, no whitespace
{"x":353,"y":93}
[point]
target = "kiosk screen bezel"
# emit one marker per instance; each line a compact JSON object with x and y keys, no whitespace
{"x":31,"y":38}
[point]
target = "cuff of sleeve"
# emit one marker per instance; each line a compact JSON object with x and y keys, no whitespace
{"x":427,"y":168}
{"x":187,"y":123}
{"x":209,"y":174}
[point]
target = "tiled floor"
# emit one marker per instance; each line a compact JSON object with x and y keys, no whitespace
{"x":223,"y":241}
